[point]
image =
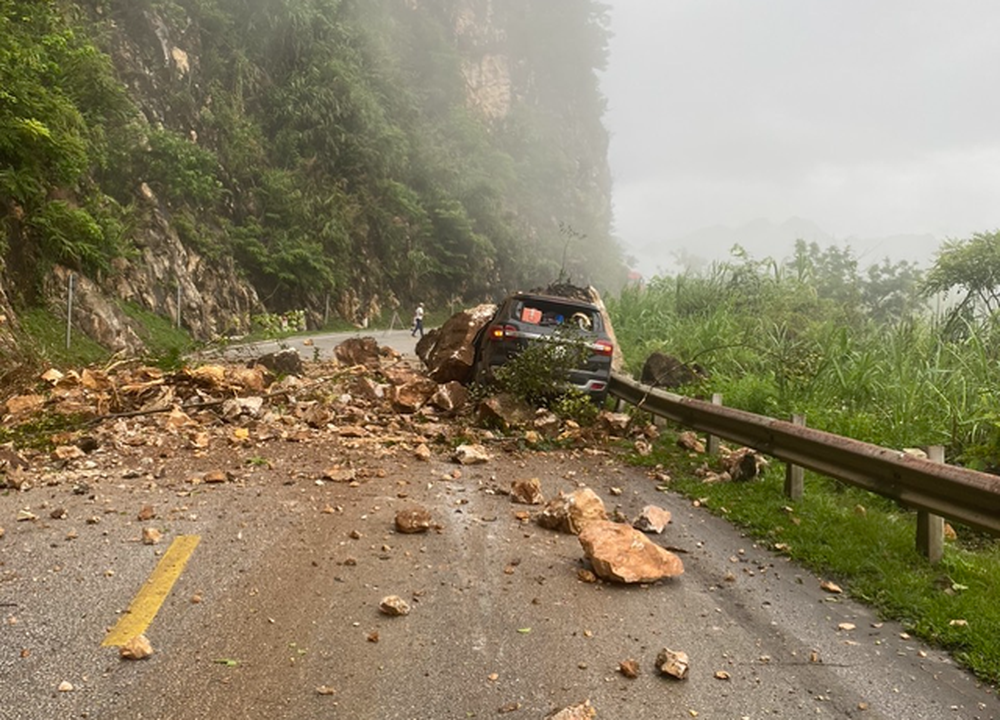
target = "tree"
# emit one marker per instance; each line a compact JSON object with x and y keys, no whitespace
{"x":972,"y":268}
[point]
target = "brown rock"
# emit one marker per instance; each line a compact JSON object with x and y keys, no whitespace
{"x":20,"y":404}
{"x":67,"y":452}
{"x":629,"y":668}
{"x":449,"y":351}
{"x":422,"y":452}
{"x":410,"y":397}
{"x":689,"y":441}
{"x":413,"y":520}
{"x":358,"y":351}
{"x":471,"y":455}
{"x":527,"y":491}
{"x":340,"y":474}
{"x":623,"y":554}
{"x":450,"y":396}
{"x":215,"y":477}
{"x":138,"y":648}
{"x":505,"y":411}
{"x":613,"y":423}
{"x":673,"y":663}
{"x":580,"y":711}
{"x":573,"y":512}
{"x":147,"y":512}
{"x":652,"y":519}
{"x":394,"y":606}
{"x":743,"y":464}
{"x":151,"y":536}
{"x":282,"y":362}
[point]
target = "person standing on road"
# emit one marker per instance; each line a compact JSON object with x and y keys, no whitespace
{"x":418,"y":321}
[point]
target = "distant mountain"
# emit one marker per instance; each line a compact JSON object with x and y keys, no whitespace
{"x":762,"y":238}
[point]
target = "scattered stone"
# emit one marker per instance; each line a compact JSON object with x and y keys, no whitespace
{"x":25,"y":516}
{"x":58,"y":514}
{"x":846,"y":626}
{"x":325,"y":690}
{"x":413,"y":395}
{"x":21,"y":404}
{"x":65,"y":686}
{"x":949,"y":532}
{"x":394,"y":606}
{"x":743,"y":464}
{"x":688,"y":440}
{"x":147,"y":512}
{"x":283,"y":362}
{"x":674,"y":663}
{"x":138,"y":648}
{"x":2,"y":532}
{"x":471,"y":455}
{"x":580,"y":711}
{"x":413,"y":520}
{"x":509,"y":707}
{"x":629,"y":668}
{"x":527,"y":491}
{"x":504,"y":411}
{"x":340,"y":474}
{"x":372,"y":637}
{"x":571,"y":513}
{"x":585,"y":575}
{"x":621,"y":553}
{"x":652,"y":519}
{"x":151,"y":536}
{"x":722,"y":675}
{"x":422,"y":452}
{"x":450,"y":397}
{"x":831,"y":587}
{"x":68,"y":452}
{"x":358,"y":351}
{"x":215,"y":477}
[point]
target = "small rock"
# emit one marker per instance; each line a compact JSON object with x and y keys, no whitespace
{"x":527,"y":492}
{"x":394,"y":606}
{"x":65,"y":686}
{"x":471,"y":455}
{"x":25,"y":515}
{"x":147,"y":512}
{"x":422,"y":452}
{"x":580,"y":711}
{"x":652,"y":519}
{"x":413,"y":520}
{"x":688,"y":440}
{"x":138,"y":648}
{"x":629,"y":668}
{"x":831,"y":587}
{"x":58,"y":514}
{"x":215,"y":477}
{"x":325,"y":690}
{"x":573,"y":512}
{"x":151,"y":536}
{"x":674,"y":663}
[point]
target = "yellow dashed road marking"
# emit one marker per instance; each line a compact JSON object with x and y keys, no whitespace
{"x":150,"y":597}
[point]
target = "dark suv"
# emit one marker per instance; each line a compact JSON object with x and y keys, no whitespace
{"x":524,"y":318}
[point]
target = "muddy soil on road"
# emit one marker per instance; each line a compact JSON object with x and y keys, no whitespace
{"x":276,"y":613}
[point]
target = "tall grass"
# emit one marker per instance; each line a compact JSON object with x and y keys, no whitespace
{"x":776,"y":346}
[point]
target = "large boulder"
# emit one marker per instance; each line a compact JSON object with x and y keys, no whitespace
{"x":358,"y":351}
{"x":449,"y":351}
{"x":572,"y":513}
{"x":666,"y":371}
{"x":620,"y":553}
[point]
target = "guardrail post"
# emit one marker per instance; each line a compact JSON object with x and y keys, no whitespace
{"x":712,"y":444}
{"x":795,"y":474}
{"x":930,"y":527}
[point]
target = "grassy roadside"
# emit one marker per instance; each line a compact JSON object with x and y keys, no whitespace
{"x":867,"y":544}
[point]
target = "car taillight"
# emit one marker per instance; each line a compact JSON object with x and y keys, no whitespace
{"x":499,"y":332}
{"x":603,"y":347}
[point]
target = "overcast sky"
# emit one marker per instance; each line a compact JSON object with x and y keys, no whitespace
{"x":867,"y":117}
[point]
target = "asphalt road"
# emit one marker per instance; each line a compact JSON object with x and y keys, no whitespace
{"x":280,"y":598}
{"x":322,"y":348}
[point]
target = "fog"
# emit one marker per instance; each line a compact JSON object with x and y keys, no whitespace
{"x":873,"y":124}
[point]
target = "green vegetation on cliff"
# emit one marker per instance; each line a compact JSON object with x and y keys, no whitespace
{"x":368,"y":151}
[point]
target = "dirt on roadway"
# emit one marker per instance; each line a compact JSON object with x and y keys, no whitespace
{"x":275,"y":614}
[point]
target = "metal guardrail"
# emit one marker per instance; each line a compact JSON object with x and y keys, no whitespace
{"x":956,"y":493}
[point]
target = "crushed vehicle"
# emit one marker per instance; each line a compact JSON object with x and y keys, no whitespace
{"x":524,"y":318}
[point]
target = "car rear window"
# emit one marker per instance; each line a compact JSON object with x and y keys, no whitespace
{"x":546,"y":313}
